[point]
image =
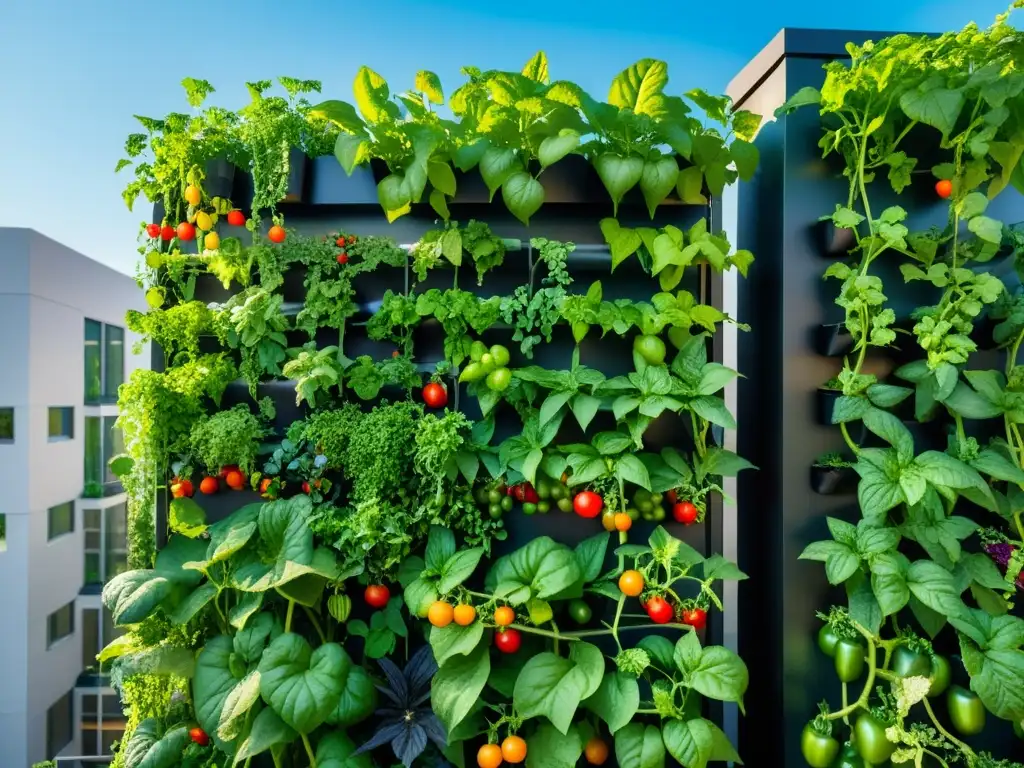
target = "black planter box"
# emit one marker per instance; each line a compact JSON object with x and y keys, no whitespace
{"x":830,"y":481}
{"x":825,"y":402}
{"x":832,"y":241}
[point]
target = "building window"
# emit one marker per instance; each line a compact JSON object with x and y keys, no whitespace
{"x":62,"y":423}
{"x":99,"y":729}
{"x":59,"y":719}
{"x":6,"y":425}
{"x":60,"y":520}
{"x":106,"y":543}
{"x":104,"y":362}
{"x":103,"y":441}
{"x":96,"y":637}
{"x":60,"y":624}
{"x":3,"y":532}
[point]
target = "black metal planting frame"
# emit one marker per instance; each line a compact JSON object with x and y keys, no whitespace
{"x":323,"y":199}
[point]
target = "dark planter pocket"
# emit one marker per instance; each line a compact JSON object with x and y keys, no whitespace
{"x":830,"y":481}
{"x":825,"y":403}
{"x":220,"y":179}
{"x":832,"y":241}
{"x":982,"y":333}
{"x":833,"y":340}
{"x":573,"y":180}
{"x":330,"y":185}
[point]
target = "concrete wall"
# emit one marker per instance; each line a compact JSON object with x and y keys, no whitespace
{"x":46,"y":293}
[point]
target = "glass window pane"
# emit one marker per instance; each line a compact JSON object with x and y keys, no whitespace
{"x":60,"y":623}
{"x":90,"y":703}
{"x":93,"y":574}
{"x":60,"y":519}
{"x":114,"y":362}
{"x":112,"y":708}
{"x":113,"y":444}
{"x":91,"y":519}
{"x":112,"y":731}
{"x":59,"y":724}
{"x":93,"y":450}
{"x":93,"y":370}
{"x":6,"y":425}
{"x":61,"y":423}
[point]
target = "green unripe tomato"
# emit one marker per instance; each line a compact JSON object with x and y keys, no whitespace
{"x":495,"y":511}
{"x":499,"y":355}
{"x":477,"y":350}
{"x":645,"y":506}
{"x":494,"y":496}
{"x":543,"y":488}
{"x":634,"y":513}
{"x":529,"y":508}
{"x":468,"y":498}
{"x":939,"y":675}
{"x":656,"y":498}
{"x":579,"y":611}
{"x":908,"y":663}
{"x":472,"y":372}
{"x":487,"y":362}
{"x":650,"y":348}
{"x":848,"y":758}
{"x":966,"y":711}
{"x":641,"y":494}
{"x":564,"y":504}
{"x":849,"y":659}
{"x":659,"y":514}
{"x":483,"y":496}
{"x":827,"y":639}
{"x":507,"y":503}
{"x":818,"y":750}
{"x":558,"y":491}
{"x":499,"y":379}
{"x":543,"y":506}
{"x":869,"y":737}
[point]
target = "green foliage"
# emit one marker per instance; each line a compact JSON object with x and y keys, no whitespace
{"x":177,"y":329}
{"x":913,"y":558}
{"x":532,"y":313}
{"x":448,"y":244}
{"x":227,"y":438}
{"x":315,"y":372}
{"x":251,"y":322}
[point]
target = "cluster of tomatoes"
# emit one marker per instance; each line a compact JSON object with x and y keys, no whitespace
{"x":660,"y":610}
{"x":343,"y":242}
{"x":489,"y":364}
{"x":513,"y":751}
{"x":231,"y":476}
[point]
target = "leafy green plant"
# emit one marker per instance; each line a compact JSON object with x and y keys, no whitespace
{"x":459,"y":312}
{"x":910,"y":560}
{"x":252,"y":322}
{"x":449,"y":243}
{"x":534,"y":313}
{"x":315,"y":372}
{"x":176,"y":329}
{"x":227,"y":438}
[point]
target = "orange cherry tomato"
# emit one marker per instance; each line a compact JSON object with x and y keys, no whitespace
{"x":513,"y":749}
{"x":465,"y":614}
{"x":631,"y":583}
{"x":489,"y":756}
{"x":504,"y":616}
{"x":440,"y":613}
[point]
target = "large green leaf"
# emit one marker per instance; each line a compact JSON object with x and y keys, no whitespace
{"x":937,"y":107}
{"x":992,"y":653}
{"x":934,"y":586}
{"x":336,"y":749}
{"x":640,"y":88}
{"x":237,"y":704}
{"x":695,"y":743}
{"x":232,"y":533}
{"x":616,"y":700}
{"x":358,"y":698}
{"x":713,"y":671}
{"x":372,"y":94}
{"x":213,"y":682}
{"x":133,"y":595}
{"x":457,"y":685}
{"x":268,"y":730}
{"x":553,"y":686}
{"x":523,"y":195}
{"x":454,"y":640}
{"x":151,"y":747}
{"x":302,"y":685}
{"x":657,"y":180}
{"x":639,"y":746}
{"x":619,"y":174}
{"x":548,"y":748}
{"x":496,"y":165}
{"x":542,"y":569}
{"x":287,"y":542}
{"x":554,"y":148}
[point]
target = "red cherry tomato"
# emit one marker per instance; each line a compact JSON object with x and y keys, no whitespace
{"x":276,"y":234}
{"x":167,"y":232}
{"x":236,"y":218}
{"x":587,"y":504}
{"x":305,"y":487}
{"x":508,"y":640}
{"x":377,"y":595}
{"x":530,"y":494}
{"x":944,"y":188}
{"x":672,"y":496}
{"x":340,"y":242}
{"x":198,"y":735}
{"x":684,"y":512}
{"x":435,"y":395}
{"x":153,"y":230}
{"x":186,"y":231}
{"x":659,"y":609}
{"x":695,"y":617}
{"x":209,"y":485}
{"x":343,"y":258}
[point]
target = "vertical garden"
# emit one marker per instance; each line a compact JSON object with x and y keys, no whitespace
{"x":429,"y":466}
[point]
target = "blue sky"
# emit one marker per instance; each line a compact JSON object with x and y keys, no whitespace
{"x":73,"y":73}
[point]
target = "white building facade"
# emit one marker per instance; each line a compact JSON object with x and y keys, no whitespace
{"x":64,"y":351}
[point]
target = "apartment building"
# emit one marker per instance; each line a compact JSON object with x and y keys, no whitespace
{"x":64,"y":351}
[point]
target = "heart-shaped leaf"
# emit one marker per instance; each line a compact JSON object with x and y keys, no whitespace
{"x":619,"y":174}
{"x":302,"y":685}
{"x":133,"y":595}
{"x":394,"y":197}
{"x":523,"y":195}
{"x":336,"y":749}
{"x":554,"y":148}
{"x":658,"y":179}
{"x":358,"y":697}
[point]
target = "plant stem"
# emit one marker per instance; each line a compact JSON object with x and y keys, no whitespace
{"x":316,"y":623}
{"x":946,"y":734}
{"x":615,"y":624}
{"x":309,"y":750}
{"x":288,"y":616}
{"x":554,"y":628}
